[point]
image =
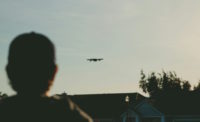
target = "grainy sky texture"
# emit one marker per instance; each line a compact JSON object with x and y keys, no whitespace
{"x":130,"y":35}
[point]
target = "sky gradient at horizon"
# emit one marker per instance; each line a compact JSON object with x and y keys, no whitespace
{"x":130,"y":35}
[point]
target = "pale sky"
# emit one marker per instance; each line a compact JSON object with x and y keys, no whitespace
{"x":130,"y":35}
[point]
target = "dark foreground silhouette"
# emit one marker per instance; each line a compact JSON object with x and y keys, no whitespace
{"x":31,"y":70}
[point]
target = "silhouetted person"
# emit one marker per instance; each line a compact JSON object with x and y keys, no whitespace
{"x":31,"y":70}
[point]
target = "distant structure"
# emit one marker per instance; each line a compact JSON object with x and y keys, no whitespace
{"x":134,"y":107}
{"x":94,"y":59}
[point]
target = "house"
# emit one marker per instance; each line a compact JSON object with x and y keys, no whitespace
{"x":133,"y":107}
{"x":143,"y":112}
{"x":106,"y":107}
{"x":118,"y":107}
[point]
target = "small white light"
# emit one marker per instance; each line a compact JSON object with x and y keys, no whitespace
{"x":127,"y":99}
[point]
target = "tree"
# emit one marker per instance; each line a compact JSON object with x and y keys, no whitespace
{"x":186,"y":86}
{"x":197,"y":87}
{"x":150,"y":85}
{"x":170,"y":93}
{"x":165,"y":83}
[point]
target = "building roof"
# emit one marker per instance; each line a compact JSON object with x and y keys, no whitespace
{"x":113,"y":105}
{"x":187,"y":104}
{"x":145,"y":109}
{"x":106,"y":105}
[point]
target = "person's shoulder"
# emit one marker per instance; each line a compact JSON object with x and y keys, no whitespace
{"x":72,"y":109}
{"x":7,"y":100}
{"x":7,"y":103}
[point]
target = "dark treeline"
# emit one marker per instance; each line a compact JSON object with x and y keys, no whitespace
{"x":169,"y":92}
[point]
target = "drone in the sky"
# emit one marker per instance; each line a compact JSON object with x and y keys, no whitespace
{"x":94,"y":59}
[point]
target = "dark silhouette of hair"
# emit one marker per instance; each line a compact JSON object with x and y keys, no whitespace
{"x":31,"y":63}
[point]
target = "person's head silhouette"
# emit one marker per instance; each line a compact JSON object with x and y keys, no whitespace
{"x":31,"y":64}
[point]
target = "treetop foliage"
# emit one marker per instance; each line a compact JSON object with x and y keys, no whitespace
{"x":158,"y":84}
